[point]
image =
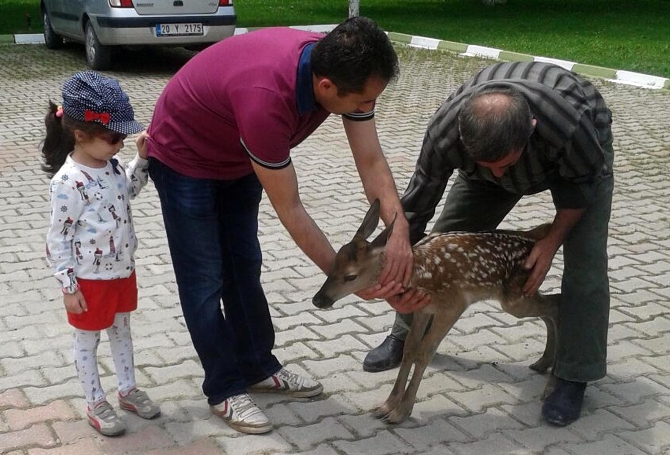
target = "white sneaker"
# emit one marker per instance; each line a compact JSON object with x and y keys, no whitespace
{"x":241,"y":414}
{"x":288,"y":383}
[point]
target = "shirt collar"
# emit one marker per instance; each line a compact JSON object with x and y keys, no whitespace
{"x":303,"y":85}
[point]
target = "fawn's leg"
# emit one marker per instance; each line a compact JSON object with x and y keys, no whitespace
{"x":443,"y":321}
{"x":412,"y":342}
{"x":545,"y":307}
{"x":547,"y":359}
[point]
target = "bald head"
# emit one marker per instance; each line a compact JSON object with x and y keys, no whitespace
{"x":495,"y":122}
{"x":490,"y":104}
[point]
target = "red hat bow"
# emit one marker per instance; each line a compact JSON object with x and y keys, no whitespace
{"x":91,"y":116}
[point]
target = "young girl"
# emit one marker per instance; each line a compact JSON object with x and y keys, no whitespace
{"x":90,"y":243}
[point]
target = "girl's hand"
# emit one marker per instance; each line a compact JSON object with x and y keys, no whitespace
{"x":75,"y":303}
{"x":141,"y":143}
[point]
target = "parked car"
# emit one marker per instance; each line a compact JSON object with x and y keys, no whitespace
{"x":103,"y":24}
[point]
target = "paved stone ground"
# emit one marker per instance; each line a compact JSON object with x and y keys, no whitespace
{"x":478,"y":396}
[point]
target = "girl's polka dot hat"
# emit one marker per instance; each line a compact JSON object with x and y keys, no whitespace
{"x":90,"y":97}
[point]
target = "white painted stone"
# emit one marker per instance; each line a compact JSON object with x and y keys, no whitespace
{"x":639,"y":79}
{"x":423,"y":42}
{"x":563,"y":63}
{"x":481,"y":51}
{"x":34,"y":38}
{"x":323,"y":28}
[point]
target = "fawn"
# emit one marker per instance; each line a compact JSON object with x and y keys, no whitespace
{"x":455,"y":269}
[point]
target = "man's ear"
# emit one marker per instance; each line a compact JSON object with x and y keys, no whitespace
{"x":324,"y":87}
{"x":324,"y":82}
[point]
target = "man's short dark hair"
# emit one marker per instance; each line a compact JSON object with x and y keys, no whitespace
{"x":354,"y":51}
{"x":495,"y":122}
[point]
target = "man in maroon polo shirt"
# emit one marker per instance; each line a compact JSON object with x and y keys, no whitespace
{"x":222,"y":131}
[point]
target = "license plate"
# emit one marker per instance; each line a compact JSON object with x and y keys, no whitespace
{"x":194,"y":29}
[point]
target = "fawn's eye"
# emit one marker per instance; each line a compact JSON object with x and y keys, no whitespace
{"x":350,"y":277}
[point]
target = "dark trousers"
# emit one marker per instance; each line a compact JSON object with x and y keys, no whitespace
{"x":212,"y":232}
{"x":585,"y":299}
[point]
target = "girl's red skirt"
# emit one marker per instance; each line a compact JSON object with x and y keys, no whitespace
{"x":104,"y":298}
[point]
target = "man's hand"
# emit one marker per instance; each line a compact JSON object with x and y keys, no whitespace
{"x":397,"y":271}
{"x":402,"y":301}
{"x":377,"y":291}
{"x":409,"y":301}
{"x":75,"y":303}
{"x":398,"y":260}
{"x":539,"y":262}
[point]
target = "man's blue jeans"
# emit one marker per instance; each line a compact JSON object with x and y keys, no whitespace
{"x":212,"y":232}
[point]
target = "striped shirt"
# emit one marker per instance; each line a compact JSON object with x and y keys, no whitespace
{"x":568,"y":152}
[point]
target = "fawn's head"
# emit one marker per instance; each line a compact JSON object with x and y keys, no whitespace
{"x":358,"y":263}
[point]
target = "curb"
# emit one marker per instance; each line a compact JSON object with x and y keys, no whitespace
{"x":612,"y":75}
{"x":468,"y":50}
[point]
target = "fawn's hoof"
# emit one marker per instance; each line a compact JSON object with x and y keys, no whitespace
{"x":385,"y":356}
{"x":379,"y":412}
{"x":549,"y":387}
{"x":395,"y":416}
{"x":541,"y":365}
{"x":391,"y":415}
{"x":383,"y":409}
{"x":564,"y":404}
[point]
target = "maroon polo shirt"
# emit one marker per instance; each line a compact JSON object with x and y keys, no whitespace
{"x":248,"y":97}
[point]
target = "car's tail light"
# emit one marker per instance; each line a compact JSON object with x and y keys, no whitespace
{"x":121,"y":3}
{"x":225,"y":2}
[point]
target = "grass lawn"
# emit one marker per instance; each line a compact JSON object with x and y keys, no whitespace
{"x":622,"y":34}
{"x":20,"y":16}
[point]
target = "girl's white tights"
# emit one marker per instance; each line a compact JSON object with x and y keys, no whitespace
{"x":86,"y":353}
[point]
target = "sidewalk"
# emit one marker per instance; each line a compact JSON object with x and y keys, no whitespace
{"x":478,"y":396}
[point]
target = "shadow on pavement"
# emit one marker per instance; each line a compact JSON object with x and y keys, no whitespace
{"x":136,"y":60}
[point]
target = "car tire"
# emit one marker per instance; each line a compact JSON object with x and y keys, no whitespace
{"x":51,"y":39}
{"x":98,"y":56}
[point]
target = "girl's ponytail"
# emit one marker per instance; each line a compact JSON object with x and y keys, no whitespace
{"x":58,"y":143}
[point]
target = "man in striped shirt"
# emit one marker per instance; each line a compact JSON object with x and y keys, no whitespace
{"x":517,"y":129}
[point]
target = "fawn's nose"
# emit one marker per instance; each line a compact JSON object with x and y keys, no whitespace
{"x":321,"y":301}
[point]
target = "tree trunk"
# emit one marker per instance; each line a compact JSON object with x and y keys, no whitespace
{"x":354,"y":7}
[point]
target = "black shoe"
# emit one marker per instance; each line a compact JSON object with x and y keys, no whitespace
{"x":564,"y":404}
{"x":385,"y":356}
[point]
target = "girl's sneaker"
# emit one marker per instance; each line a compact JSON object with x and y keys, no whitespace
{"x":103,"y":418}
{"x":139,"y":402}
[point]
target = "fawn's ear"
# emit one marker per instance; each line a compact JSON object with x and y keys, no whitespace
{"x":370,"y":221}
{"x":383,"y":237}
